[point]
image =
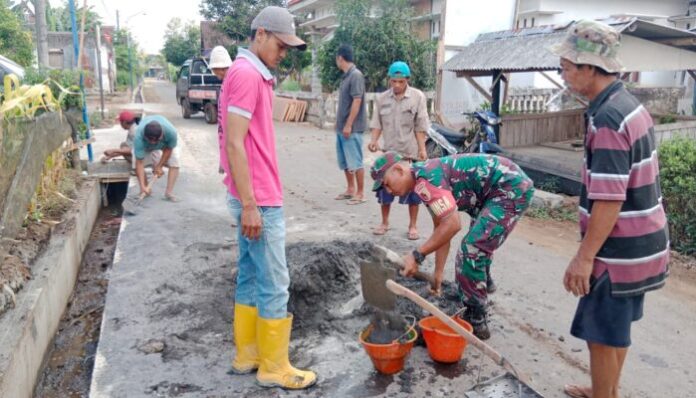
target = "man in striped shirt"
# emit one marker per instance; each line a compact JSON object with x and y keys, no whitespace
{"x":625,"y":245}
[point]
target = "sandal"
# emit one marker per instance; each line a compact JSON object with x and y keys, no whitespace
{"x":343,"y":196}
{"x":356,"y":201}
{"x":413,"y":235}
{"x":380,"y":230}
{"x":575,"y":391}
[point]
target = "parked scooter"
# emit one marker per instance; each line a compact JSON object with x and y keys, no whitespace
{"x":443,"y":141}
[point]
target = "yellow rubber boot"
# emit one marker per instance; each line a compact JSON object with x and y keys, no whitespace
{"x":275,"y":369}
{"x":244,"y":326}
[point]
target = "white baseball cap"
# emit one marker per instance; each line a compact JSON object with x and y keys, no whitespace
{"x":219,"y":58}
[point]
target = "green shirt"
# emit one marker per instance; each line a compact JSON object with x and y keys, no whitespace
{"x":140,"y":144}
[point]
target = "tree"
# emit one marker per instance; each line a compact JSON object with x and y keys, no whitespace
{"x":58,"y":18}
{"x":122,"y":40}
{"x":181,"y":41}
{"x":377,"y":41}
{"x":295,"y":62}
{"x":15,"y":40}
{"x":235,"y":16}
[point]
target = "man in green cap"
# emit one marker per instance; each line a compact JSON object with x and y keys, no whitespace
{"x":493,"y":190}
{"x":625,"y":245}
{"x":401,"y":119}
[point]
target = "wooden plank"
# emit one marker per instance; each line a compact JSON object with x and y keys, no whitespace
{"x":555,"y":83}
{"x":478,"y":88}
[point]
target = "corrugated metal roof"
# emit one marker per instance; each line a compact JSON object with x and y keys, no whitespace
{"x":523,"y":50}
{"x":515,"y":52}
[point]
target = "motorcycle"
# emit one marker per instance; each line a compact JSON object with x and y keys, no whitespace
{"x":443,"y":141}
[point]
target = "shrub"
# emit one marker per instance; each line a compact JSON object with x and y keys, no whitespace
{"x":122,"y":78}
{"x":678,"y":181}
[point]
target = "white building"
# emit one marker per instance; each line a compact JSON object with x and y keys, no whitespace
{"x":674,"y":13}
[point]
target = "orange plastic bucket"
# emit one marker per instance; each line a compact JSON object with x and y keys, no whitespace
{"x":444,"y":344}
{"x":388,"y":358}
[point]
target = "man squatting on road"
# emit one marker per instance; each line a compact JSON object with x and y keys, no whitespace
{"x":493,"y":190}
{"x":262,"y":324}
{"x":154,"y":144}
{"x":625,"y":246}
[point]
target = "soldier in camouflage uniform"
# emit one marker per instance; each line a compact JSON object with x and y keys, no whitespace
{"x":493,"y":190}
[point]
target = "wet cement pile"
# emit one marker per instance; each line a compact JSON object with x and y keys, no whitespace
{"x":324,"y":288}
{"x":324,"y":277}
{"x":387,"y":327}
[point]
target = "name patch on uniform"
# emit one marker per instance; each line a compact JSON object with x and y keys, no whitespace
{"x":422,"y":190}
{"x":441,"y":206}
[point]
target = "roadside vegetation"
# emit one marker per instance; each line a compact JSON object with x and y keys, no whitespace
{"x":678,"y":181}
{"x":564,"y":213}
{"x":377,"y":42}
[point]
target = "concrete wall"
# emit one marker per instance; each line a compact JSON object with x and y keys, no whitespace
{"x":659,"y":99}
{"x":321,"y":109}
{"x":25,"y":145}
{"x":28,"y":329}
{"x":665,"y":132}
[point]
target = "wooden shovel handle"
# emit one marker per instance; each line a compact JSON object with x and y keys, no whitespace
{"x":473,"y":340}
{"x":395,"y":258}
{"x":149,"y":186}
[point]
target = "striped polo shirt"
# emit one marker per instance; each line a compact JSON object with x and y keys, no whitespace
{"x":621,"y":164}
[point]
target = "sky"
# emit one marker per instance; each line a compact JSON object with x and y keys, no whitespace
{"x":147,"y":29}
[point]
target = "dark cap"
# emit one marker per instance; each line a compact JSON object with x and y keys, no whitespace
{"x":381,"y":166}
{"x":153,"y":131}
{"x":280,"y":22}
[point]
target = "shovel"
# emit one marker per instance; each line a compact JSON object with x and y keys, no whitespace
{"x":391,"y":256}
{"x":131,"y":208}
{"x":374,"y":274}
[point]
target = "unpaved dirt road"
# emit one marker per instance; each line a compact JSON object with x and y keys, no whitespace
{"x":166,"y":330}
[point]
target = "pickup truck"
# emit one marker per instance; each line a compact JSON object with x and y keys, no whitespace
{"x":197,"y":89}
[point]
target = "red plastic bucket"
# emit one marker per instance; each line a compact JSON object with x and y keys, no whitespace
{"x":388,"y":358}
{"x":444,"y":344}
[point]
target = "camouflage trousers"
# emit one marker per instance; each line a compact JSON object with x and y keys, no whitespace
{"x":489,"y":229}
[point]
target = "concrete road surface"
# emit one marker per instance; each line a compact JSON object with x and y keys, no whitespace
{"x":167,"y":332}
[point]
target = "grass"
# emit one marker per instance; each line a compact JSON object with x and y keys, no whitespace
{"x":563,"y":213}
{"x":56,"y":190}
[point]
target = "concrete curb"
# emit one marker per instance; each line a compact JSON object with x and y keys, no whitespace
{"x":546,"y":199}
{"x":27,"y":330}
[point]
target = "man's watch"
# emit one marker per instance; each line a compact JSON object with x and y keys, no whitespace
{"x":418,"y":256}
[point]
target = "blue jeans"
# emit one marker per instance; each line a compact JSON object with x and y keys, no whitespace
{"x":263,"y":277}
{"x":349,"y":151}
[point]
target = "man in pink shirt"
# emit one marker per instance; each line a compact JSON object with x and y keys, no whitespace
{"x":255,"y":198}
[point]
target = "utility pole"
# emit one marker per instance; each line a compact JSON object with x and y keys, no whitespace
{"x":130,"y":59}
{"x":97,"y":31}
{"x":78,"y":68}
{"x":439,"y":62}
{"x":41,"y":33}
{"x":118,"y":21}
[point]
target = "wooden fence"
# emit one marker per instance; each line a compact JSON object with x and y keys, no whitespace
{"x":533,"y":129}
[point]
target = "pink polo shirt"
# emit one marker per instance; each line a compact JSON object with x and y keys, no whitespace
{"x":248,"y":91}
